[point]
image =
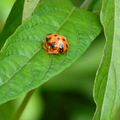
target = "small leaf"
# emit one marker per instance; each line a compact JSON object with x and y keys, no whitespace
{"x":29,"y":7}
{"x":107,"y":85}
{"x":25,"y":65}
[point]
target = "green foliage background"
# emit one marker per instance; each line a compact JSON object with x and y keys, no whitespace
{"x":68,"y":95}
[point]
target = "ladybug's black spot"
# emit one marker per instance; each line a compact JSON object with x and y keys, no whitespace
{"x":47,"y":39}
{"x":66,"y":45}
{"x":61,"y":47}
{"x":55,"y":35}
{"x":58,"y":38}
{"x":63,"y":39}
{"x":53,"y":44}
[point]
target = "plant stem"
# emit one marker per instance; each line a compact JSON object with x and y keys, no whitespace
{"x":23,"y":105}
{"x":86,"y":4}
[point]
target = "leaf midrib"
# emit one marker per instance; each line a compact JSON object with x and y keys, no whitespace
{"x":70,"y":13}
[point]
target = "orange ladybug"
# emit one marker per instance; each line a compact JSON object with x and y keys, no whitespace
{"x":55,"y":44}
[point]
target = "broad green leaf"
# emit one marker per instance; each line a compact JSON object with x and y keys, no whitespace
{"x":13,"y":21}
{"x":107,"y":85}
{"x":25,"y":65}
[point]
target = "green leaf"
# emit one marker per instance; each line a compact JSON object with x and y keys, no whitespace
{"x":107,"y":85}
{"x":13,"y":21}
{"x":25,"y":65}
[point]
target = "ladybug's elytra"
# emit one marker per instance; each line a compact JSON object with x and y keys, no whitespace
{"x":55,"y":44}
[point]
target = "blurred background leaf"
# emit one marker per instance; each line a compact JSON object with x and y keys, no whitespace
{"x":13,"y":21}
{"x":5,"y":7}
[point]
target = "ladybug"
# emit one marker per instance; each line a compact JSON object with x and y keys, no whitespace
{"x":55,"y":44}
